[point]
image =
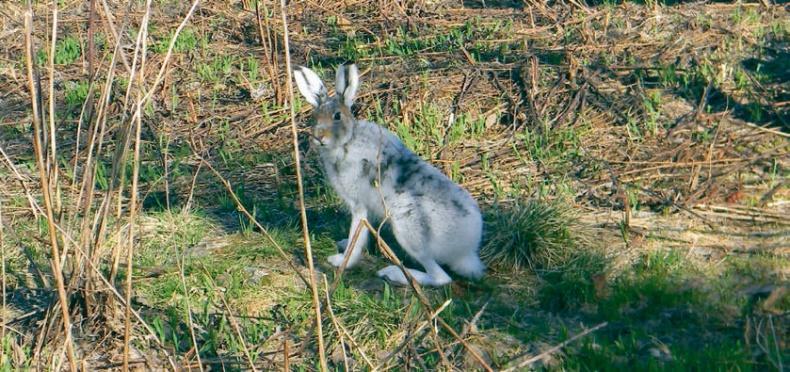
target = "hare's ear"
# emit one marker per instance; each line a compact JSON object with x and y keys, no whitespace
{"x":310,"y":85}
{"x":347,"y":82}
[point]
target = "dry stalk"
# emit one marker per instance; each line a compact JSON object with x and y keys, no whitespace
{"x":189,"y":310}
{"x":114,"y":32}
{"x":530,"y":361}
{"x":414,"y":333}
{"x":169,"y":53}
{"x":234,"y":324}
{"x":387,"y":251}
{"x":143,"y":34}
{"x":269,"y":45}
{"x":2,"y":277}
{"x":39,"y":154}
{"x":242,"y":209}
{"x":117,"y":175}
{"x":348,"y":252}
{"x":300,"y":187}
{"x":333,"y":318}
{"x":188,"y":203}
{"x":338,"y":276}
{"x":53,"y":149}
{"x":286,"y":361}
{"x":95,"y":144}
{"x":121,"y":299}
{"x":345,"y":331}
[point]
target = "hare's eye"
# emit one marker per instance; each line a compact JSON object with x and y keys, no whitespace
{"x":336,"y":117}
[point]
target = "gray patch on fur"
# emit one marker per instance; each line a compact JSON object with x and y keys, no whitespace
{"x":460,"y":207}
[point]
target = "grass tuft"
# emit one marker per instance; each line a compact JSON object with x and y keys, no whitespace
{"x":540,"y":235}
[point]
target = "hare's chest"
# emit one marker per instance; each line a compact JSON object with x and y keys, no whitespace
{"x":354,"y":180}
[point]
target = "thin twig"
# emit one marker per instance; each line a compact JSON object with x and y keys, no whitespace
{"x":529,"y":361}
{"x":135,"y":178}
{"x":387,"y":251}
{"x":409,"y":338}
{"x":333,"y":318}
{"x":189,"y":308}
{"x":242,"y":209}
{"x":44,"y":180}
{"x":2,"y":276}
{"x":188,"y":203}
{"x":300,"y":188}
{"x":119,"y":297}
{"x":52,"y":143}
{"x":234,"y":324}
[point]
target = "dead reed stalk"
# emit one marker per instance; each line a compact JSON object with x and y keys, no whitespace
{"x":45,"y":190}
{"x":142,"y":37}
{"x":387,"y":251}
{"x":240,"y":206}
{"x":235,"y":325}
{"x":2,"y":277}
{"x":53,"y":148}
{"x":300,"y":188}
{"x":529,"y":361}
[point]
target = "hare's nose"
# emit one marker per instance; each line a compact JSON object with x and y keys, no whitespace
{"x":323,"y":133}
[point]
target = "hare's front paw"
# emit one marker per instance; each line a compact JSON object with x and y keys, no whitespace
{"x":337,"y":259}
{"x":394,"y":274}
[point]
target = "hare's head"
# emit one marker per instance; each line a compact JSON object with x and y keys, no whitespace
{"x":333,"y":118}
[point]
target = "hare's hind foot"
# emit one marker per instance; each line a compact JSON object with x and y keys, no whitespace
{"x":434,"y":276}
{"x":337,"y":259}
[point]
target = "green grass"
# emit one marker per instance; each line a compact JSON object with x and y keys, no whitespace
{"x":76,"y":93}
{"x":67,"y":51}
{"x":16,"y":353}
{"x":475,"y":36}
{"x":534,"y":234}
{"x":657,"y":306}
{"x":188,"y":40}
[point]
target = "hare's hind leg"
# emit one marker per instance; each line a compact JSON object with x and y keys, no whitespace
{"x":434,"y":275}
{"x":362,"y":240}
{"x":414,"y":236}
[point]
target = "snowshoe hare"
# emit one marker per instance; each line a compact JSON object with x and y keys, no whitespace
{"x":432,"y":218}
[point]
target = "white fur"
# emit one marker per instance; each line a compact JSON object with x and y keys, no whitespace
{"x":309,"y":84}
{"x":433,"y":219}
{"x":346,"y":86}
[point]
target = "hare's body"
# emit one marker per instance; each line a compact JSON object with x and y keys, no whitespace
{"x":433,"y":219}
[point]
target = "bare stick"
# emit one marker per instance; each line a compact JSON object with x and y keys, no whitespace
{"x":387,"y":251}
{"x":554,"y":349}
{"x":348,"y":252}
{"x":333,"y":318}
{"x":2,"y":272}
{"x":416,"y":331}
{"x":53,"y":238}
{"x":234,"y":324}
{"x":120,"y":298}
{"x":338,"y":276}
{"x":302,"y":212}
{"x":341,"y":330}
{"x":189,"y":309}
{"x":170,"y":47}
{"x":52,"y":144}
{"x":133,"y":201}
{"x":188,"y":204}
{"x":267,"y":46}
{"x":286,"y":362}
{"x":252,"y":218}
